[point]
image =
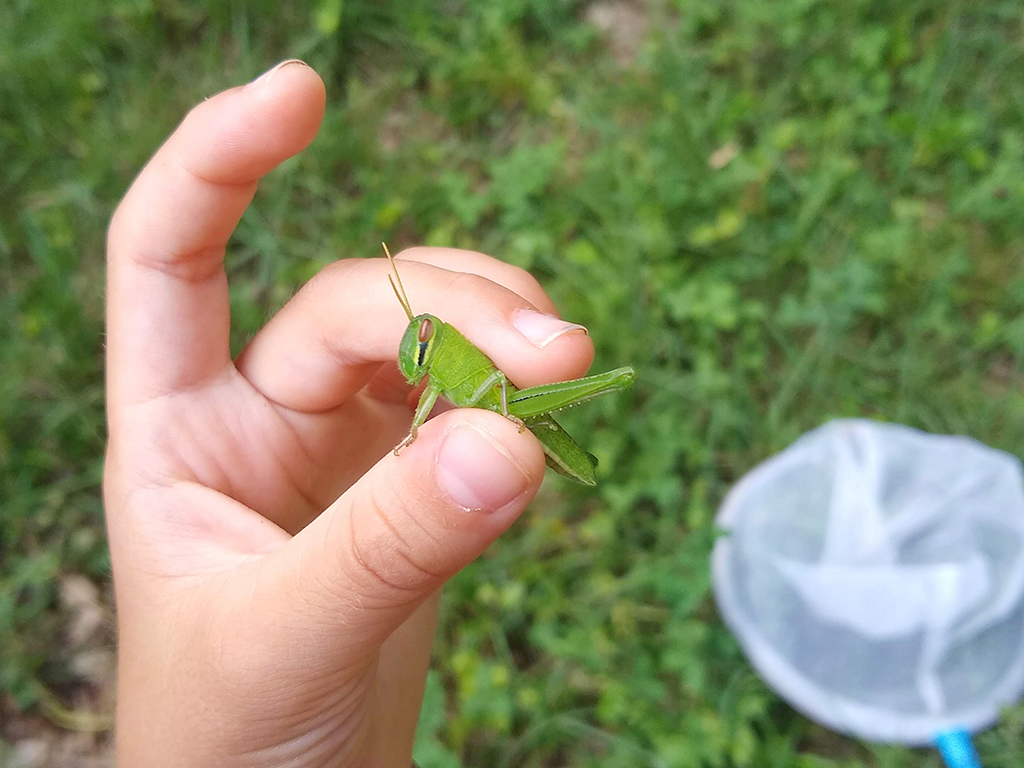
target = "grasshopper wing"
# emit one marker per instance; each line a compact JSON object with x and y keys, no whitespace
{"x":562,"y":453}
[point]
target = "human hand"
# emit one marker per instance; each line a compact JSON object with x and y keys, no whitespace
{"x":276,"y":567}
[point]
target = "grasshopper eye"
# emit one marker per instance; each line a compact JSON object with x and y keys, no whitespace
{"x":426,"y":331}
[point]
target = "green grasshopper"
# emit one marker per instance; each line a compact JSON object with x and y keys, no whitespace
{"x":467,"y":378}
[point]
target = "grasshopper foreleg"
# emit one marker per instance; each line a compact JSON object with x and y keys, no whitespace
{"x":423,"y":409}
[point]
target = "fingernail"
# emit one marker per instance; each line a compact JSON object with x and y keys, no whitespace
{"x":542,"y":329}
{"x":266,"y":76}
{"x":476,"y":472}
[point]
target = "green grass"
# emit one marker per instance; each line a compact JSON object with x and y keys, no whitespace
{"x":862,"y":254}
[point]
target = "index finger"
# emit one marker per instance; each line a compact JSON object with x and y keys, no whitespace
{"x":167,"y":295}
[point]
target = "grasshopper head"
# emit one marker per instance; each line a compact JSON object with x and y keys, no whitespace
{"x":418,"y":346}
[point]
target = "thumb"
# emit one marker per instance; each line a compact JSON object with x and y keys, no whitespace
{"x":365,"y":564}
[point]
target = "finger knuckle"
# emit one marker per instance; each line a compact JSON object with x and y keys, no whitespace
{"x":327,"y":279}
{"x":469,"y":284}
{"x":416,"y":253}
{"x":387,"y":548}
{"x":523,"y":283}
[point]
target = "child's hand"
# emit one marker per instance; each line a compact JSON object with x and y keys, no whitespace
{"x":276,"y":566}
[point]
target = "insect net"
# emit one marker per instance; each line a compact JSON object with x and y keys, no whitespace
{"x":874,"y":576}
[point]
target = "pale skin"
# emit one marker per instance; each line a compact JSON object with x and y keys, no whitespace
{"x":276,"y":566}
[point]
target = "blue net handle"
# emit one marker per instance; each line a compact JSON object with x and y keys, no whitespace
{"x":956,"y":749}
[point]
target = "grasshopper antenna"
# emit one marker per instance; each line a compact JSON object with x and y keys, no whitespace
{"x":399,"y":289}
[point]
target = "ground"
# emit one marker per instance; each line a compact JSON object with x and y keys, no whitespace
{"x":779,"y":213}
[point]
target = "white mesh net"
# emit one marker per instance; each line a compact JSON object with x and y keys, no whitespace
{"x":874,"y":575}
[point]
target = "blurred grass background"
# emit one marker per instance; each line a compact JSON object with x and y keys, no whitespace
{"x":779,"y":212}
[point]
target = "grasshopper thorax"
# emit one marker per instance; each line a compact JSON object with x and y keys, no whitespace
{"x":418,"y":346}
